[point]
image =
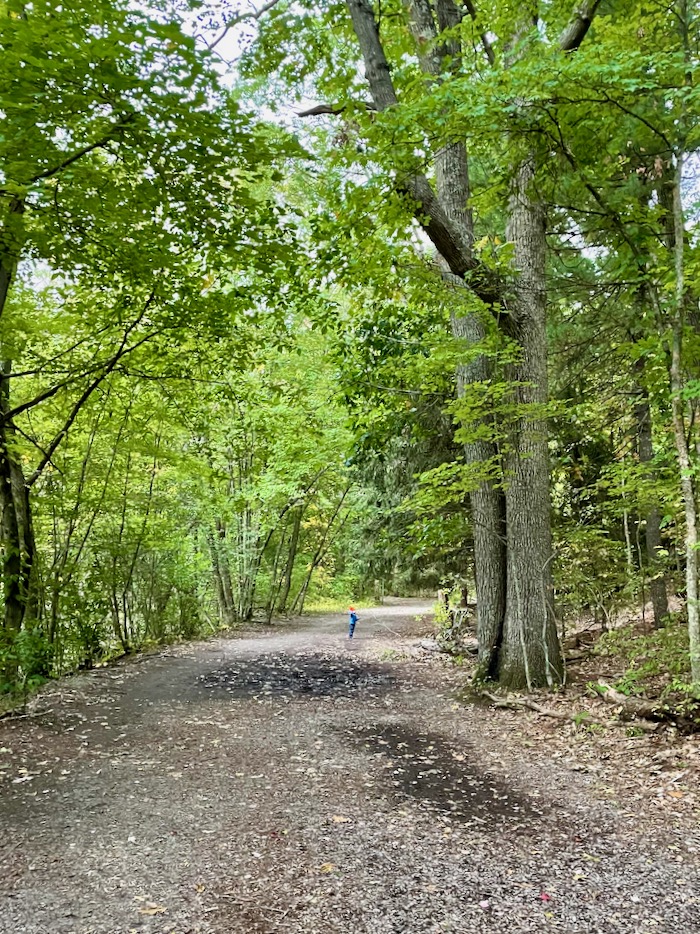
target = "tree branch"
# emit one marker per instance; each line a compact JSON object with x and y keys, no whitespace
{"x":69,"y":160}
{"x":488,"y":48}
{"x":442,"y":231}
{"x":333,"y":109}
{"x":252,"y":14}
{"x":80,"y":402}
{"x":58,"y":438}
{"x":321,"y":109}
{"x":36,"y":444}
{"x":578,"y":26}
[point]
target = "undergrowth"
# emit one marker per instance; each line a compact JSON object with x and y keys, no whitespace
{"x":656,"y":663}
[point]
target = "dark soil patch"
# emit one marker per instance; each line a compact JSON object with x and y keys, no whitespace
{"x":425,"y":766}
{"x":297,"y":676}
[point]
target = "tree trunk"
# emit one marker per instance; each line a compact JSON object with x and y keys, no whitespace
{"x":225,"y":573}
{"x":486,"y":501}
{"x":291,"y":558}
{"x":18,"y":546}
{"x":520,"y":640}
{"x":530,"y":655}
{"x":218,"y":581}
{"x":222,"y":577}
{"x":488,"y":518}
{"x":645,"y":450}
{"x":679,"y":432}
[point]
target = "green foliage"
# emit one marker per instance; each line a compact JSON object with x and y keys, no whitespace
{"x":591,"y":574}
{"x":233,"y":387}
{"x":648,"y":656}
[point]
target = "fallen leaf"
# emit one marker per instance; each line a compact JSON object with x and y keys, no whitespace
{"x":340,"y":820}
{"x":327,"y":867}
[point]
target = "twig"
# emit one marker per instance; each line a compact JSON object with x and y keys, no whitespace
{"x":11,"y":715}
{"x":251,"y":14}
{"x":514,"y":703}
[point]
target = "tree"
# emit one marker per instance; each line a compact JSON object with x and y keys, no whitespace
{"x":630,"y":204}
{"x":120,"y":142}
{"x":511,"y":518}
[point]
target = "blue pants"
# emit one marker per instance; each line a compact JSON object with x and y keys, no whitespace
{"x":351,"y":630}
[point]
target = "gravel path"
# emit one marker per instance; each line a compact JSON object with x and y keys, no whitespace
{"x":293,"y":782}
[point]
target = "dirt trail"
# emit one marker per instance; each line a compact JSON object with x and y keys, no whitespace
{"x":293,"y":782}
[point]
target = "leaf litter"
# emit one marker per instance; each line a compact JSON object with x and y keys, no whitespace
{"x":432,"y":817}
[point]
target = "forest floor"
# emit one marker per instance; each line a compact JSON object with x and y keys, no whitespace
{"x":285,"y":780}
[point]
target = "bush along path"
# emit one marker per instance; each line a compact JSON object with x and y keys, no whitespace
{"x":290,"y":781}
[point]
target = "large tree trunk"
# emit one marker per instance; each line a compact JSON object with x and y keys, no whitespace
{"x":488,"y":518}
{"x":486,"y":501}
{"x":530,"y":655}
{"x":16,"y":531}
{"x":679,"y":431}
{"x":513,"y":573}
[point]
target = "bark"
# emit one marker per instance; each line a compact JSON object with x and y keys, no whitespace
{"x":486,"y":502}
{"x":275,"y":580}
{"x":291,"y":558}
{"x":225,"y":573}
{"x":16,"y":559}
{"x":530,"y":655}
{"x":578,"y":26}
{"x":216,"y":574}
{"x":18,"y":546}
{"x":645,"y":450}
{"x":430,"y":212}
{"x":488,"y":519}
{"x":11,"y":538}
{"x":634,"y":708}
{"x":680,"y":436}
{"x":228,"y":609}
{"x":485,"y":41}
{"x":11,"y":242}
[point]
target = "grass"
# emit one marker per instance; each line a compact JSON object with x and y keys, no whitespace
{"x":336,"y":605}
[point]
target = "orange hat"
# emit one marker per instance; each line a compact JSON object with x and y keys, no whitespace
{"x":351,"y":608}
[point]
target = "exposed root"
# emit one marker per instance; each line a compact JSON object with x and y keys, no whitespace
{"x":511,"y":702}
{"x":636,"y":708}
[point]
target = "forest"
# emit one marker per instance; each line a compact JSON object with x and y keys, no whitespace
{"x":349,"y":467}
{"x":302,"y":304}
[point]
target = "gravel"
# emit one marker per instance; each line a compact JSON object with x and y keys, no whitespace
{"x":289,"y":781}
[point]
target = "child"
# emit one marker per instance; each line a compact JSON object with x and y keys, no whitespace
{"x":353,"y":620}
